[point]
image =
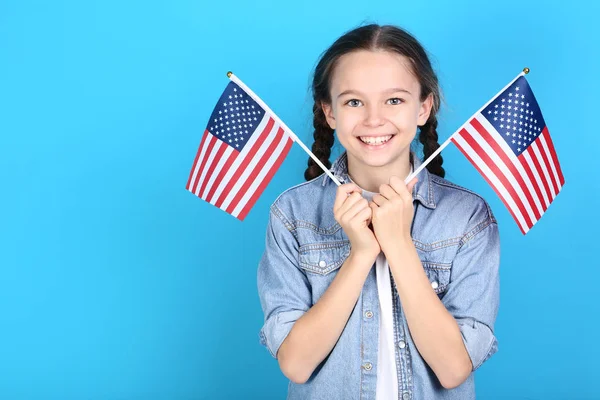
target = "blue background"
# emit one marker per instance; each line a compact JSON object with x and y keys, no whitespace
{"x":117,"y":283}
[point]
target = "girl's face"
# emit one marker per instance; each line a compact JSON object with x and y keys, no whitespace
{"x":375,"y":96}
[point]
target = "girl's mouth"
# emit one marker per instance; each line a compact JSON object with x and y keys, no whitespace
{"x":375,"y":142}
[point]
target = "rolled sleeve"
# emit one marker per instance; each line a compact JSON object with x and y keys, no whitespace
{"x":473,"y":294}
{"x":283,"y":287}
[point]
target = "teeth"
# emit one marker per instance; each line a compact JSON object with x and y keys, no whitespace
{"x":375,"y":140}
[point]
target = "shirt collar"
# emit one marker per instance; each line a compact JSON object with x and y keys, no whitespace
{"x":422,"y":191}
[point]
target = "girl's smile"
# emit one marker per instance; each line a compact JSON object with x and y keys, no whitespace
{"x":372,"y":143}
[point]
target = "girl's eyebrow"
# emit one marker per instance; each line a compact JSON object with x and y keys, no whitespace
{"x":391,"y":90}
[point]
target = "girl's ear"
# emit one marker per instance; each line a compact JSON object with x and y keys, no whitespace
{"x":328,"y":111}
{"x":425,"y":110}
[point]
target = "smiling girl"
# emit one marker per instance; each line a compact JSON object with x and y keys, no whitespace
{"x":377,"y":289}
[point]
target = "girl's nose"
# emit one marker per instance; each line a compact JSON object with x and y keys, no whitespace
{"x":374,"y":116}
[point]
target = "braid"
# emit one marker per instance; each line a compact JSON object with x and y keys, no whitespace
{"x":321,"y":147}
{"x":429,"y":138}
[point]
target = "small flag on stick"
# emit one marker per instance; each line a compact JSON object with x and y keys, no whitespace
{"x":508,"y":142}
{"x":242,"y":147}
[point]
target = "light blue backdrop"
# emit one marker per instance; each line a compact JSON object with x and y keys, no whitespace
{"x":117,"y":283}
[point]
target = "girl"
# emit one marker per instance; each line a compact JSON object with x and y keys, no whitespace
{"x":376,"y":289}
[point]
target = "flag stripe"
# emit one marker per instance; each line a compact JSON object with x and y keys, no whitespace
{"x":222,"y":168}
{"x":550,"y":156}
{"x":537,"y":158}
{"x":508,"y":166}
{"x":524,"y":171}
{"x":254,"y":168}
{"x":209,"y":173}
{"x":535,"y":169}
{"x":546,"y":134}
{"x":227,"y":191}
{"x":491,"y":179}
{"x":265,"y":181}
{"x":187,"y":186}
{"x":233,"y":164}
{"x":547,"y":168}
{"x":259,"y":171}
{"x":493,"y":166}
{"x":207,"y":151}
{"x":262,"y":147}
{"x":196,"y":165}
{"x":529,"y":168}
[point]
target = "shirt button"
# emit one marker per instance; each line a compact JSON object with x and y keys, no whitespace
{"x":322,"y":263}
{"x":368,"y":366}
{"x":405,"y":396}
{"x":401,"y":344}
{"x":368,"y":314}
{"x":434,"y":284}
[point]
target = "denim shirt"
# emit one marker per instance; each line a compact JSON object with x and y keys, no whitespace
{"x":456,"y":237}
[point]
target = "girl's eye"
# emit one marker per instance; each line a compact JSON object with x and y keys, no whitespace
{"x":352,"y":102}
{"x":396,"y":102}
{"x":356,"y":103}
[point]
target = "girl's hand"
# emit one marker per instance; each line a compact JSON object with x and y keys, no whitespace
{"x":393,"y":211}
{"x":352,"y":212}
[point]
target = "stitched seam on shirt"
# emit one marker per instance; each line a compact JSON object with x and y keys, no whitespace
{"x":294,"y":187}
{"x":277,"y":211}
{"x":437,"y":266}
{"x":473,"y":232}
{"x":447,"y":183}
{"x":397,"y":353}
{"x":322,"y":271}
{"x":454,"y":185}
{"x":325,"y":231}
{"x":336,"y":244}
{"x":439,"y":244}
{"x":362,"y":353}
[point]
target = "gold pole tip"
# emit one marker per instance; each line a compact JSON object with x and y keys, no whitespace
{"x":526,"y":70}
{"x":229,"y":73}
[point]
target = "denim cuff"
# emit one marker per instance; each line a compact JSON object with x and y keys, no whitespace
{"x":276,"y":329}
{"x":479,"y":340}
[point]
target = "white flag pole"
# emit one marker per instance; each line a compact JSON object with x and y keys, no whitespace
{"x":235,"y":79}
{"x":435,"y":153}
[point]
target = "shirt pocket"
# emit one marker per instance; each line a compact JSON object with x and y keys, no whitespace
{"x":321,"y":261}
{"x":324,"y":257}
{"x":438,"y":274}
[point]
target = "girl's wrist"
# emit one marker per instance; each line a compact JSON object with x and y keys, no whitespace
{"x":402,"y":247}
{"x":402,"y":242}
{"x":362,"y":257}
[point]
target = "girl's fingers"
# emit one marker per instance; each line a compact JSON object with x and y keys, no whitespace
{"x":357,"y":208}
{"x":412,"y":184}
{"x":350,"y":202}
{"x":387,"y":191}
{"x":378,"y":199}
{"x":404,"y":190}
{"x":342,"y":193}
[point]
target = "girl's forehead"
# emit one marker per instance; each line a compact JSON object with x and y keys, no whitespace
{"x":373,"y":72}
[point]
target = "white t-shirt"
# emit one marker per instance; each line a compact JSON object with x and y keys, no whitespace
{"x":387,"y":376}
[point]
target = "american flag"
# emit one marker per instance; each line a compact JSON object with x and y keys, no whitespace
{"x":509,"y":144}
{"x":240,"y":151}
